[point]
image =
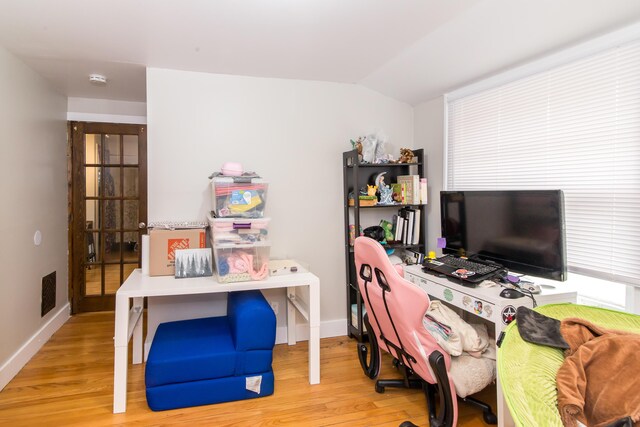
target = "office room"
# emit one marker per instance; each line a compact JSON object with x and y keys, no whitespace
{"x":284,"y":90}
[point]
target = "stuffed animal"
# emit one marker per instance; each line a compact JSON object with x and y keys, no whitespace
{"x":406,"y":156}
{"x":357,"y":144}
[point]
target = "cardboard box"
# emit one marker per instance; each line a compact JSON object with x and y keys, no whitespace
{"x":163,"y":244}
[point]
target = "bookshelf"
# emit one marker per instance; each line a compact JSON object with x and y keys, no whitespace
{"x":357,"y":175}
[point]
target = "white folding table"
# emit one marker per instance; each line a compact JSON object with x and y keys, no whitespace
{"x":129,"y":313}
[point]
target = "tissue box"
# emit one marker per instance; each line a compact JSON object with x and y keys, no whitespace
{"x":238,"y":199}
{"x":163,"y":244}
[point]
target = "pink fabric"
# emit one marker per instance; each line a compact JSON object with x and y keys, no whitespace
{"x":407,"y":304}
{"x":238,"y":264}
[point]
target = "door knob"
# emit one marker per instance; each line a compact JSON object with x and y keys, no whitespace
{"x":142,"y":225}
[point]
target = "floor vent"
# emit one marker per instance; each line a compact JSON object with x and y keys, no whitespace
{"x":48,"y":293}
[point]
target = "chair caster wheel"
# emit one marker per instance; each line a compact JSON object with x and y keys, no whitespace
{"x":489,"y":418}
{"x":379,"y":389}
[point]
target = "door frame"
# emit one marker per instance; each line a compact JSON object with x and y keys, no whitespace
{"x":77,"y":206}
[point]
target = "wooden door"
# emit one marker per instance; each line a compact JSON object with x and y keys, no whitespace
{"x":108,"y":210}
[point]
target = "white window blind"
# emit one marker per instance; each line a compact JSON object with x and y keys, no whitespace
{"x":575,"y":127}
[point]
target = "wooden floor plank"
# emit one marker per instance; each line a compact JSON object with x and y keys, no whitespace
{"x":70,"y":383}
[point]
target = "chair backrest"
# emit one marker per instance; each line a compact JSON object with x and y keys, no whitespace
{"x":396,"y":309}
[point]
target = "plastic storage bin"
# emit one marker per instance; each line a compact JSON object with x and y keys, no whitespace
{"x":238,"y":230}
{"x":238,"y":199}
{"x":242,"y":263}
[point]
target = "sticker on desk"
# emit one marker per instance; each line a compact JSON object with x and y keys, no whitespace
{"x":488,"y":310}
{"x":463,"y":273}
{"x":253,"y":383}
{"x":508,"y":314}
{"x":448,"y":295}
{"x":466,"y":301}
{"x":477,"y":307}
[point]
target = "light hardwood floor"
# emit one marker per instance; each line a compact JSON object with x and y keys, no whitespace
{"x":70,"y":383}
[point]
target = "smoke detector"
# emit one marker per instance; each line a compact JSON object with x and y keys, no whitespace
{"x":97,"y":80}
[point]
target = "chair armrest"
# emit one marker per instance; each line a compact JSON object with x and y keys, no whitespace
{"x":251,"y":321}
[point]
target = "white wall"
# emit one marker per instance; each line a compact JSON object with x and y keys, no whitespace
{"x":106,"y":111}
{"x":33,"y":185}
{"x":291,"y":132}
{"x":429,"y":134}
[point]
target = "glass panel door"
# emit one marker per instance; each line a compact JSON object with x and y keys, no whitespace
{"x":109,"y":203}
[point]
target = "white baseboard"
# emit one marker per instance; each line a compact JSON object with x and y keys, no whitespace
{"x":20,"y":358}
{"x":333,"y":328}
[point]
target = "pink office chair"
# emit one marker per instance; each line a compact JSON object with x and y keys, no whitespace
{"x":395,"y":311}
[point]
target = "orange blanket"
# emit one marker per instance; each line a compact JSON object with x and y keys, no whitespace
{"x":599,"y":381}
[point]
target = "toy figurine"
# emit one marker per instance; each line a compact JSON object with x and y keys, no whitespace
{"x":386,"y":194}
{"x":371,"y":190}
{"x":406,"y":156}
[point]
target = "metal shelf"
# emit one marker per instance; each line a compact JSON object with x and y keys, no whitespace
{"x":355,"y":176}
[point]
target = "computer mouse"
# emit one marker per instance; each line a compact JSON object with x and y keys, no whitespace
{"x":511,"y":294}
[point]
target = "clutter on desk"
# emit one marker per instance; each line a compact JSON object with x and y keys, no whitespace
{"x":280,"y":267}
{"x":239,"y":230}
{"x":163,"y":242}
{"x":241,"y":263}
{"x":238,"y":199}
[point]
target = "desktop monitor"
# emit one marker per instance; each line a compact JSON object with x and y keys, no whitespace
{"x":521,"y":229}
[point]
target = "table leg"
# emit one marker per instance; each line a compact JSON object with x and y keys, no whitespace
{"x":291,"y":317}
{"x":314,"y":332}
{"x":502,"y":411}
{"x":138,"y":345}
{"x":120,"y":355}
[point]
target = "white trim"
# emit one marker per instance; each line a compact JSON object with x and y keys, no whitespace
{"x":328,"y":329}
{"x":556,"y":59}
{"x":20,"y":358}
{"x":106,"y":118}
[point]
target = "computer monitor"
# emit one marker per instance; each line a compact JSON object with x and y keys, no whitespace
{"x":521,"y":229}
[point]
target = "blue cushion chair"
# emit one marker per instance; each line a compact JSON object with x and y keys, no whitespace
{"x":215,"y":359}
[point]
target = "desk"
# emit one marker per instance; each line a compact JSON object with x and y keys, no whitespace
{"x":488,"y":304}
{"x":137,"y":287}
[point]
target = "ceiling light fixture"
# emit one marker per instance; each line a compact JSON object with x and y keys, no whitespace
{"x":97,"y":80}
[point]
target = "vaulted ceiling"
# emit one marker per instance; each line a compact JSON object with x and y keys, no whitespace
{"x":410,"y":50}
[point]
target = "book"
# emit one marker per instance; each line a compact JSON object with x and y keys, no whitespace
{"x":416,"y":227}
{"x":411,"y":189}
{"x":399,"y":221}
{"x":410,"y":219}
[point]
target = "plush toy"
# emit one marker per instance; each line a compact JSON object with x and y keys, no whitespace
{"x":357,"y":144}
{"x":388,"y":230}
{"x":406,"y":156}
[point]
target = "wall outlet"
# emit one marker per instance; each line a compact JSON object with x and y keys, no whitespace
{"x":274,"y":306}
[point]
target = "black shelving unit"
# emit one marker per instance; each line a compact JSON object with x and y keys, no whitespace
{"x":355,"y":176}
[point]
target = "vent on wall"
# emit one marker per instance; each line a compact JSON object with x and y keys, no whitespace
{"x":48,"y":293}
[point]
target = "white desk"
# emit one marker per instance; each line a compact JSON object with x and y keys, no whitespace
{"x":488,"y":304}
{"x":128,"y":321}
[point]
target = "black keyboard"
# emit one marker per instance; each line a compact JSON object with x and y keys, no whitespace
{"x":462,"y":269}
{"x":467,"y":264}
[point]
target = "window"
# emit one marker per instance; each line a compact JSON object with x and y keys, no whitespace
{"x":568,"y":123}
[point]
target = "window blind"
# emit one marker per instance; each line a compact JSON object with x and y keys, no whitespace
{"x":574,"y":127}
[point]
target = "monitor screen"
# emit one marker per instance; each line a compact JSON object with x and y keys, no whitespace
{"x":521,"y":229}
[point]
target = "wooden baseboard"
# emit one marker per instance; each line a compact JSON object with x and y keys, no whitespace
{"x":20,"y":358}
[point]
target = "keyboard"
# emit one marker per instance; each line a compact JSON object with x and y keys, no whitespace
{"x":467,"y":264}
{"x":462,"y":268}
